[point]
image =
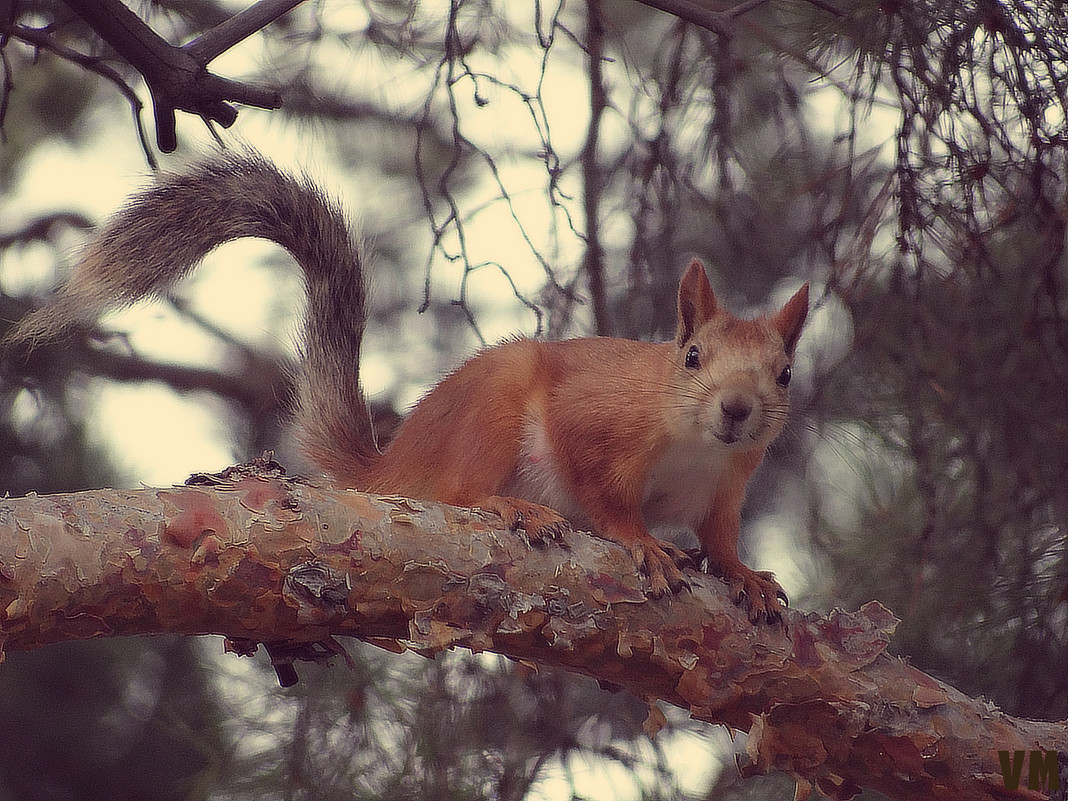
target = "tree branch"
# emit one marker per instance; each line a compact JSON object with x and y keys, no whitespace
{"x":718,"y":20}
{"x":592,"y":173}
{"x":178,"y":77}
{"x":41,"y":228}
{"x":257,"y":557}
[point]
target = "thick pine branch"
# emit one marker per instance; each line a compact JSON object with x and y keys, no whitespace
{"x":258,"y":557}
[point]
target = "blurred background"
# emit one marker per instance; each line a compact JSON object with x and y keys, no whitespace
{"x":549,"y":168}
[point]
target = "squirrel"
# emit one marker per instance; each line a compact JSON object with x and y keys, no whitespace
{"x":610,"y":434}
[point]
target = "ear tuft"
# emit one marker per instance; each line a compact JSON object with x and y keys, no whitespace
{"x":697,"y":302}
{"x":791,"y":318}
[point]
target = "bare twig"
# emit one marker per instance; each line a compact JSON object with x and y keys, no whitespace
{"x":452,"y":74}
{"x":42,"y":39}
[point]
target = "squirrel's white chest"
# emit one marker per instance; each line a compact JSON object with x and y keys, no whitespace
{"x":677,"y":491}
{"x":679,"y":487}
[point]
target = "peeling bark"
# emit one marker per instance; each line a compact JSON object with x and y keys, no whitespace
{"x":260,"y":558}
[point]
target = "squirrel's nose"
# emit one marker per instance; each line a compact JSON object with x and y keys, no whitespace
{"x":736,"y":409}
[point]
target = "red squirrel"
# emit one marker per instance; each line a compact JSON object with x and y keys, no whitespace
{"x":612,"y":434}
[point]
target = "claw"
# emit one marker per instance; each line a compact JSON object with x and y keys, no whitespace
{"x":680,"y":556}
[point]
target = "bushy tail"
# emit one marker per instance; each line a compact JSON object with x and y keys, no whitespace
{"x":163,"y":233}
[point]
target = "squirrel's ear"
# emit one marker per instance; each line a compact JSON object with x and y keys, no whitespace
{"x":791,"y":318}
{"x":697,"y":303}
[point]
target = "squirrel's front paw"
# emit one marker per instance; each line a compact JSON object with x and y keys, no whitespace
{"x":660,"y":561}
{"x":540,"y":523}
{"x":756,"y":591}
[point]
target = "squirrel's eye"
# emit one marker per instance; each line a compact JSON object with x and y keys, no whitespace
{"x":784,"y":376}
{"x":693,"y":358}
